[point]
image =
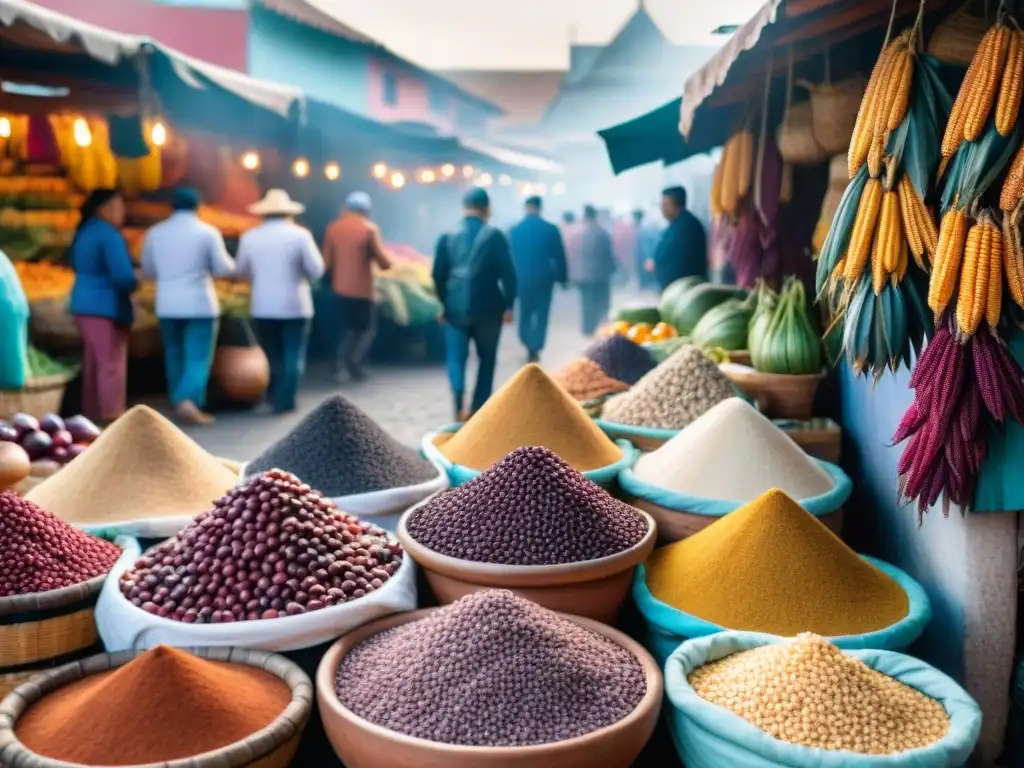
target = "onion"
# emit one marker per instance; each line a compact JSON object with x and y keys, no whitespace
{"x":14,"y":465}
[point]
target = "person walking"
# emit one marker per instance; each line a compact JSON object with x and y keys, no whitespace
{"x":475,"y":279}
{"x":281,"y":259}
{"x":183,"y":254}
{"x":101,"y":303}
{"x":682,"y":250}
{"x":597,"y":265}
{"x":539,"y":255}
{"x":352,"y":245}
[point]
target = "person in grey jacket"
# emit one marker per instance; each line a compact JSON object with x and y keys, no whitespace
{"x":183,"y":254}
{"x":594,"y":275}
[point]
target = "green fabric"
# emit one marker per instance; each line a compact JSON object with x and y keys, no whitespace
{"x":649,"y":138}
{"x":999,"y":485}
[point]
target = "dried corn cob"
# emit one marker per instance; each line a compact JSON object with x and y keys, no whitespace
{"x":730,"y":193}
{"x":1013,"y":185}
{"x":993,"y":46}
{"x":898,"y":88}
{"x":863,"y":229}
{"x":864,"y":127}
{"x":958,"y":116}
{"x":968,"y":273}
{"x":1010,"y":86}
{"x":988,"y":237}
{"x":946,"y":265}
{"x":875,"y":156}
{"x":716,"y":190}
{"x":994,"y":304}
{"x":918,"y":223}
{"x":1013,"y":259}
{"x":902,"y":262}
{"x":746,"y":163}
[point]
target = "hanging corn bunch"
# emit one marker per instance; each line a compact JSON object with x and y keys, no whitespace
{"x":734,"y":174}
{"x":871,"y":270}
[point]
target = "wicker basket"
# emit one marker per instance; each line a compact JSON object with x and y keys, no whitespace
{"x":778,"y":396}
{"x":795,"y":136}
{"x":272,"y":747}
{"x":834,"y":109}
{"x":956,"y":39}
{"x":40,"y":396}
{"x":42,"y":630}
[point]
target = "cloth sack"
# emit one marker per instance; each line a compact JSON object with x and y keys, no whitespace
{"x":710,"y":736}
{"x":669,"y":627}
{"x":122,"y":626}
{"x":14,"y":314}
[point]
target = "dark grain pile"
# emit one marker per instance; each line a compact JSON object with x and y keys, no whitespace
{"x":341,"y":451}
{"x":494,"y":670}
{"x":531,"y":508}
{"x":620,"y":358}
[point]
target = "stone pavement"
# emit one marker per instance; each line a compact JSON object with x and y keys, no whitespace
{"x":406,"y":400}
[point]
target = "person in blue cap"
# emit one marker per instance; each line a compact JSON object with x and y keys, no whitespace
{"x":475,"y":280}
{"x":183,"y":254}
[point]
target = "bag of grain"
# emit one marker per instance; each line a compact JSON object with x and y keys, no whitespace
{"x":929,"y":721}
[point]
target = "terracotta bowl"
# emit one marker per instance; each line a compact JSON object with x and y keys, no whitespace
{"x":778,"y":396}
{"x":595,"y":589}
{"x":361,"y":744}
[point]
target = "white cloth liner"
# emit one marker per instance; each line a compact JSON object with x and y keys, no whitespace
{"x":122,"y":626}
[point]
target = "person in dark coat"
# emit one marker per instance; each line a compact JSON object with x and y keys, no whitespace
{"x":682,"y":250}
{"x":539,"y":256}
{"x":475,"y":279}
{"x":596,"y":267}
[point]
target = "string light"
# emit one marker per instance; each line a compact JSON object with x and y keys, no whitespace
{"x":380,"y":170}
{"x":397,"y":180}
{"x":158,"y":134}
{"x":81,"y":132}
{"x":250,"y":161}
{"x":504,"y":179}
{"x":447,"y":170}
{"x":301,"y":168}
{"x":467,"y":171}
{"x":485,"y":180}
{"x":542,"y":188}
{"x":558,"y":189}
{"x":332,"y":171}
{"x":427,"y":176}
{"x":5,"y":128}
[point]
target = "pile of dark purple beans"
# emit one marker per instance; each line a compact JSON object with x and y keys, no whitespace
{"x":271,"y":548}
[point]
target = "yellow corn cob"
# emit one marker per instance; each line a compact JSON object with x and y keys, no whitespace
{"x":924,"y":224}
{"x":837,"y":276}
{"x":716,"y":190}
{"x":901,"y":262}
{"x":730,"y":194}
{"x":958,"y":115}
{"x":982,"y":101}
{"x":875,"y":156}
{"x":878,"y":273}
{"x":981,"y":278}
{"x":973,"y":249}
{"x":1013,"y":185}
{"x":893,"y":228}
{"x":886,"y":88}
{"x":1010,"y":86}
{"x":863,"y":129}
{"x":899,"y":86}
{"x":864,"y":223}
{"x":1013,"y":260}
{"x":994,"y":305}
{"x":910,"y":224}
{"x":946,"y":265}
{"x":746,"y":162}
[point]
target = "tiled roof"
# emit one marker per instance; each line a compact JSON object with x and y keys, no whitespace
{"x":306,"y":13}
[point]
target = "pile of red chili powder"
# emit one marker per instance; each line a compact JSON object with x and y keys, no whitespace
{"x":164,"y":705}
{"x":270,"y":548}
{"x":491,"y":670}
{"x":39,"y":552}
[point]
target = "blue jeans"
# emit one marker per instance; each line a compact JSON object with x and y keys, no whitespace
{"x":284,"y":343}
{"x":485,"y":338}
{"x":188,"y":353}
{"x":534,"y":309}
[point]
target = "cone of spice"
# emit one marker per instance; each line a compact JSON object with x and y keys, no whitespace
{"x":341,"y":451}
{"x":585,"y":381}
{"x":141,"y":467}
{"x":702,"y":459}
{"x":531,"y":508}
{"x":164,"y":705}
{"x":771,"y":566}
{"x":271,"y":548}
{"x":621,"y":359}
{"x":40,"y":552}
{"x":491,"y":670}
{"x":530,"y":409}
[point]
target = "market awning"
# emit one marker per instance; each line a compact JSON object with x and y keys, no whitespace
{"x":650,"y":138}
{"x":32,"y":26}
{"x":513,"y":159}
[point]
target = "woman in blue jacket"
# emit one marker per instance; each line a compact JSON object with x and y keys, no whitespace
{"x":101,"y":303}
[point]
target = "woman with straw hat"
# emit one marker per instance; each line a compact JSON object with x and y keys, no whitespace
{"x":281,"y":259}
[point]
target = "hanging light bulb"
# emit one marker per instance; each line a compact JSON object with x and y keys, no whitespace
{"x":542,"y":188}
{"x":447,"y":170}
{"x":427,"y":176}
{"x":485,"y":180}
{"x":558,"y":189}
{"x":158,"y":134}
{"x":5,"y":128}
{"x":81,"y":132}
{"x":301,"y":168}
{"x":332,"y":171}
{"x":250,"y":161}
{"x":504,"y":179}
{"x":467,"y":171}
{"x":380,"y":170}
{"x":397,"y":180}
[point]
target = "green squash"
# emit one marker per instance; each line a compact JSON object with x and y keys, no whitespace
{"x":725,"y":326}
{"x":671,"y":295}
{"x":695,"y":303}
{"x":637,"y":312}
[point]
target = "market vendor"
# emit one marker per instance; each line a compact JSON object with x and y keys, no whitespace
{"x":183,"y":254}
{"x":101,"y":303}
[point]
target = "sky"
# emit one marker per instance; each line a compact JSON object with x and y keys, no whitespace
{"x":522,"y":34}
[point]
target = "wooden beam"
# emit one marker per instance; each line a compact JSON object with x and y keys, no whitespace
{"x":800,"y":7}
{"x":873,"y":11}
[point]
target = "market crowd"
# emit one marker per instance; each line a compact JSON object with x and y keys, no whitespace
{"x":479,"y":272}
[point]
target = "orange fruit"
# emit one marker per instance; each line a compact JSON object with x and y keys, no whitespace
{"x":639,"y":333}
{"x":663,"y":331}
{"x":620,"y":327}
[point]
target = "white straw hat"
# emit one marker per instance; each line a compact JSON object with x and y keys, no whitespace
{"x":276,"y":202}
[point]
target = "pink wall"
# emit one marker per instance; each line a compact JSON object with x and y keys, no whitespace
{"x":214,"y":35}
{"x":413,"y":100}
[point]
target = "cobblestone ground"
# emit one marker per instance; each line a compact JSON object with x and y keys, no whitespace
{"x":406,"y":401}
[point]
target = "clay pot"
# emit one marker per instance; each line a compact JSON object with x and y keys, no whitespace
{"x":361,"y":744}
{"x":778,"y":395}
{"x":240,"y":374}
{"x":595,"y":589}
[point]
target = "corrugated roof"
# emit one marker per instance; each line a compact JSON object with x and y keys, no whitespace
{"x":524,"y":95}
{"x":312,"y":16}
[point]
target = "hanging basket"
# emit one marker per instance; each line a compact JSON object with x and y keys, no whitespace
{"x":795,"y":136}
{"x":956,"y":39}
{"x":834,"y":109}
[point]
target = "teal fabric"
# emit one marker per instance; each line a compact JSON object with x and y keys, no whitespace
{"x":458,"y":474}
{"x":999,"y":487}
{"x":824,"y":504}
{"x":668,"y":627}
{"x":649,"y":138}
{"x":14,"y":312}
{"x":709,"y":736}
{"x":627,"y":432}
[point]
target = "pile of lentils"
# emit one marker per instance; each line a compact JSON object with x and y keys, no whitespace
{"x":620,"y":358}
{"x":806,"y":691}
{"x":491,"y":670}
{"x":341,"y":451}
{"x":531,"y":508}
{"x":678,"y":391}
{"x":271,"y":548}
{"x":585,"y":381}
{"x":39,"y":552}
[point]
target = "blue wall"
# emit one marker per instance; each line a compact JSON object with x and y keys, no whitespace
{"x":324,"y":66}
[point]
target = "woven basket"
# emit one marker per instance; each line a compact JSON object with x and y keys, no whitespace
{"x":778,"y":395}
{"x":40,"y":396}
{"x":795,"y":136}
{"x":834,"y":109}
{"x":956,"y":39}
{"x":51,"y":327}
{"x":272,"y":747}
{"x":41,"y":630}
